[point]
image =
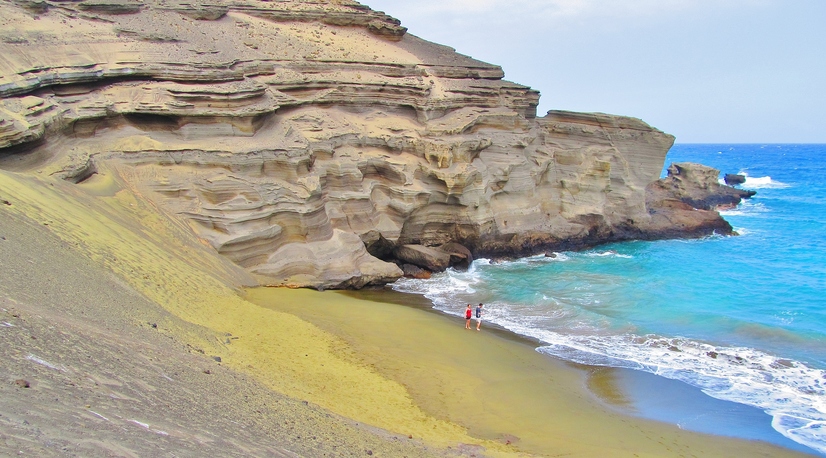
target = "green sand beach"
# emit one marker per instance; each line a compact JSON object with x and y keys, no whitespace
{"x":493,"y":383}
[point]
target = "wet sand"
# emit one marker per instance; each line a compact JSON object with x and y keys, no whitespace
{"x":658,"y":398}
{"x":638,"y":393}
{"x":493,"y":382}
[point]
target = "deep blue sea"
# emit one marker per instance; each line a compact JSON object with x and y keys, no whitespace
{"x":743,"y":318}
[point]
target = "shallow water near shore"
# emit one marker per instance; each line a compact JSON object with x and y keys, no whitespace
{"x":740,"y":318}
{"x":658,"y":398}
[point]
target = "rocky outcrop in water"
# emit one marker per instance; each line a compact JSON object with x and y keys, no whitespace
{"x":699,"y":186}
{"x":685,"y":203}
{"x":733,"y":179}
{"x":317,"y":143}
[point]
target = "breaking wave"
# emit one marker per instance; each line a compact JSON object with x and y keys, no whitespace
{"x":793,"y":393}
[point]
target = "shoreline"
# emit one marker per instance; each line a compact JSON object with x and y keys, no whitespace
{"x":650,"y":396}
{"x":635,"y":393}
{"x":492,"y":383}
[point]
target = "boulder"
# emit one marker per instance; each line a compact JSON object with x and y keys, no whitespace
{"x":411,"y":271}
{"x":733,"y":179}
{"x":460,"y":256}
{"x":432,"y":259}
{"x":336,"y":263}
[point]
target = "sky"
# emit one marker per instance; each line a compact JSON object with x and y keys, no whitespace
{"x":706,"y":71}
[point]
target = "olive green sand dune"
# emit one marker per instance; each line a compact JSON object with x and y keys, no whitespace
{"x":159,"y":258}
{"x":394,"y":367}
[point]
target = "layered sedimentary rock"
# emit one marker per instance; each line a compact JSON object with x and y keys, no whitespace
{"x":317,"y":143}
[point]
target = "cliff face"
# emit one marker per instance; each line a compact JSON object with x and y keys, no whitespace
{"x":310,"y":141}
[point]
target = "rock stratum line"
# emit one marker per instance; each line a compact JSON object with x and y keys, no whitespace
{"x":318,"y":144}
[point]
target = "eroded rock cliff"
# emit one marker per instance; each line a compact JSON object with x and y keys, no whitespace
{"x":317,"y":143}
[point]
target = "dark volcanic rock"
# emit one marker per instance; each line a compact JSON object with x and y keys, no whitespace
{"x":732,"y":179}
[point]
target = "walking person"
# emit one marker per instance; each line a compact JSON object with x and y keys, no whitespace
{"x":478,"y":316}
{"x":468,"y":316}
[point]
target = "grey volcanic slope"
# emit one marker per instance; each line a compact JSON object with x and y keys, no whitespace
{"x":91,"y":368}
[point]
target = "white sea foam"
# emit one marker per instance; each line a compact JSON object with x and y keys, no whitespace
{"x":605,"y":254}
{"x":757,"y":182}
{"x":790,"y":391}
{"x":732,"y":212}
{"x":443,"y":286}
{"x":762,"y":182}
{"x":479,"y":262}
{"x":746,"y":208}
{"x":536,"y":259}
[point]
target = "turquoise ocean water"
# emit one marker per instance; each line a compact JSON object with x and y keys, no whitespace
{"x":742,"y":318}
